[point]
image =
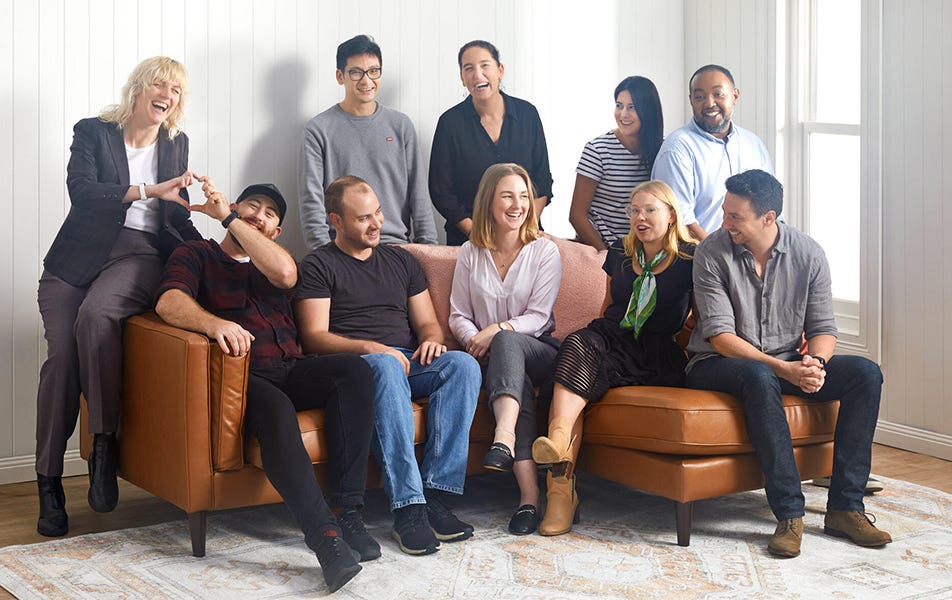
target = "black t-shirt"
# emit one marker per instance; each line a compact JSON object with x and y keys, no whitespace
{"x":674,"y":286}
{"x":368,"y":298}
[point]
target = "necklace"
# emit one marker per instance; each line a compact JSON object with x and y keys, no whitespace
{"x":501,"y":260}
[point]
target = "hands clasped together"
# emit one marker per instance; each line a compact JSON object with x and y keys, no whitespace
{"x":478,"y":345}
{"x":808,"y":374}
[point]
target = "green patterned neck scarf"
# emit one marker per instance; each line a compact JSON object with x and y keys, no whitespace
{"x":643,"y":293}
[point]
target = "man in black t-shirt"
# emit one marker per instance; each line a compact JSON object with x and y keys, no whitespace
{"x":360,"y":297}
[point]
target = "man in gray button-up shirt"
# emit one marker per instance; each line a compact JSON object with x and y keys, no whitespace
{"x":759,"y":286}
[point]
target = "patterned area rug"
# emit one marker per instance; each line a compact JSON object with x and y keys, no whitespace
{"x":625,"y":547}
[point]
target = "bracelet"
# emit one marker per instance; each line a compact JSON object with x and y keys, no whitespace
{"x":227,"y":220}
{"x":142,"y":195}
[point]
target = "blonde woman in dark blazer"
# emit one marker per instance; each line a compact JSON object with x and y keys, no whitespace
{"x":127,"y":174}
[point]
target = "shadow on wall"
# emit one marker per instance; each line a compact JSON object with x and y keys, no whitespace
{"x":273,"y":155}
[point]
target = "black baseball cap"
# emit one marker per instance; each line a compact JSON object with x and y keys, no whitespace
{"x":269,"y":190}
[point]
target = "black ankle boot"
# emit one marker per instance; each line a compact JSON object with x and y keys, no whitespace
{"x":53,"y":521}
{"x":103,"y":462}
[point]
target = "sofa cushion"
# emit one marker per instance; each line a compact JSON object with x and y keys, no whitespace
{"x":439,"y":263}
{"x":583,"y":288}
{"x":693,"y":422}
{"x":581,"y":293}
{"x":311,"y":423}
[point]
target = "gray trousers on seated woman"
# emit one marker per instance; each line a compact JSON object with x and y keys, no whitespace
{"x":83,"y":329}
{"x":518,"y":364}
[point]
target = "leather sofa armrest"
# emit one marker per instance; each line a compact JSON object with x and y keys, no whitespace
{"x":183,"y":407}
{"x":227,"y":385}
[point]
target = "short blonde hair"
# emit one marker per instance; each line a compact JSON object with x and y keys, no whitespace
{"x":484,"y":230}
{"x":147,"y":72}
{"x":677,"y":234}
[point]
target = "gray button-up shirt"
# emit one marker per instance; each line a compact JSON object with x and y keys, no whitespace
{"x":794,"y":296}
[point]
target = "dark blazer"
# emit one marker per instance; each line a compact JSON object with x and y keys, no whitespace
{"x":97,"y":177}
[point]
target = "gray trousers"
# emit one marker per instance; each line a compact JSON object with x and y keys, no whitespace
{"x":517,"y":364}
{"x":83,"y":330}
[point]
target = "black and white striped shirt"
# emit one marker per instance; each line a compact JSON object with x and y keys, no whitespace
{"x":617,"y":171}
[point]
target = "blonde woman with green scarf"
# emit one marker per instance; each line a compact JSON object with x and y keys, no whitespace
{"x":649,"y":297}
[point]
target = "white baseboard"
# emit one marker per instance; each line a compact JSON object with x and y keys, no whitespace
{"x":914,"y":439}
{"x":23,"y":468}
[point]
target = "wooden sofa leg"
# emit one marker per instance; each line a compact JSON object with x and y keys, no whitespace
{"x":685,"y":510}
{"x":196,"y":526}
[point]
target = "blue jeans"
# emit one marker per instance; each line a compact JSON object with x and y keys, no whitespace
{"x":855,"y":381}
{"x":452,"y":383}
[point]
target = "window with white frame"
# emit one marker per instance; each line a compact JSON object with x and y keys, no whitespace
{"x":828,"y":156}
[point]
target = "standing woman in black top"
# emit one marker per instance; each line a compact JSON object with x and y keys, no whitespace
{"x":127,"y":174}
{"x":486,"y":128}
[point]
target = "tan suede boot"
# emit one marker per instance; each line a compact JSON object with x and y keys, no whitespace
{"x":855,"y":525}
{"x":786,"y":539}
{"x":561,"y":510}
{"x":557,"y":447}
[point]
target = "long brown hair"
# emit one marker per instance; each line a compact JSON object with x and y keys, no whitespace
{"x":484,"y":229}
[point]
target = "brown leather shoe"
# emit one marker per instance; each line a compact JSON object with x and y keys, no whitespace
{"x":855,"y":525}
{"x":561,"y":510}
{"x":786,"y":539}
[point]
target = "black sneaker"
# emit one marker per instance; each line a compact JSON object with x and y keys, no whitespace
{"x":412,"y":530}
{"x":338,"y":561}
{"x":444,"y":523}
{"x":356,"y":536}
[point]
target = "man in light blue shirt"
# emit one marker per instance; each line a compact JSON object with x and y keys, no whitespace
{"x":697,"y":159}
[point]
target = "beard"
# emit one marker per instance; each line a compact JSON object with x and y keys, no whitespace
{"x":714,"y":128}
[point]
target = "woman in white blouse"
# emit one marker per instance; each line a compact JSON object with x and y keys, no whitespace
{"x":506,"y":281}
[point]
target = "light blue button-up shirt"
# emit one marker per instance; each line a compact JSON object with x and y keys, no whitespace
{"x":696,"y":164}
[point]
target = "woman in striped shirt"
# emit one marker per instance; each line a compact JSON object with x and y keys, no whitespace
{"x":615,"y":162}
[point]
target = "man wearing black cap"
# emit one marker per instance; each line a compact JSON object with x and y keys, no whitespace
{"x":238,"y":294}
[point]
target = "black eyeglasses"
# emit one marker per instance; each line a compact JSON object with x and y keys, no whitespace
{"x":356,"y":74}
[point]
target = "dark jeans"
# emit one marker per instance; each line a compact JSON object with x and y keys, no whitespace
{"x":341,"y":384}
{"x":855,"y":381}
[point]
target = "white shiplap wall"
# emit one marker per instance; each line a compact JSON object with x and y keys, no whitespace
{"x":259,"y":70}
{"x":917,"y":206}
{"x":739,"y":35}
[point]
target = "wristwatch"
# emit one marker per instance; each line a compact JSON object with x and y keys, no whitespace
{"x":142,"y":195}
{"x":227,"y":220}
{"x":821,"y":360}
{"x":504,"y":326}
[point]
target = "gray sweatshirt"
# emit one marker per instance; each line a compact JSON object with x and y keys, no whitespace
{"x":381,"y":149}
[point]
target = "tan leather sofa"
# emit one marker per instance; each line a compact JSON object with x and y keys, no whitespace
{"x":181,"y":436}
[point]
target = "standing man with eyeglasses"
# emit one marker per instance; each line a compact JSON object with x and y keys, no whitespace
{"x":359,"y":136}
